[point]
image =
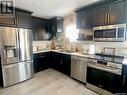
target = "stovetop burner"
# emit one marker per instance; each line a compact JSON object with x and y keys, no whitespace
{"x":111,"y":58}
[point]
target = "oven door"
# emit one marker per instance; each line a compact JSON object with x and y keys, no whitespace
{"x":102,"y":79}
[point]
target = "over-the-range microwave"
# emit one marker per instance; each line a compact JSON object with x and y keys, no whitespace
{"x":113,"y":33}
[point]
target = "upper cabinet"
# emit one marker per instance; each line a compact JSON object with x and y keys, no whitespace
{"x":23,"y":19}
{"x":85,"y":18}
{"x":41,"y":29}
{"x":56,"y":25}
{"x":110,"y":13}
{"x":105,"y":12}
{"x":117,"y":12}
{"x":7,"y":21}
{"x":100,"y":15}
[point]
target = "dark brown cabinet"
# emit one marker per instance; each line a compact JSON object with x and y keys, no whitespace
{"x":124,"y":79}
{"x":85,"y":18}
{"x":61,"y":62}
{"x":100,"y":15}
{"x":56,"y":25}
{"x":7,"y":21}
{"x":23,"y":19}
{"x":40,"y":61}
{"x":105,"y":12}
{"x":117,"y":12}
{"x":110,"y":13}
{"x":40,"y":29}
{"x":58,"y":61}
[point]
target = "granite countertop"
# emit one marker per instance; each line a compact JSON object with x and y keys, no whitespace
{"x":64,"y":52}
{"x":115,"y":60}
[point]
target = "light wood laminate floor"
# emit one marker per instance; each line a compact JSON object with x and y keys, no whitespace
{"x":48,"y":82}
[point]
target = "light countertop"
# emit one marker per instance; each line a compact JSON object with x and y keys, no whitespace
{"x":75,"y":54}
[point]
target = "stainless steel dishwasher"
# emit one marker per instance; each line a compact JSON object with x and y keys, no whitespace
{"x":78,"y":68}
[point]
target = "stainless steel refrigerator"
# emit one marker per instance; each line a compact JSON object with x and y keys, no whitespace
{"x":16,"y":55}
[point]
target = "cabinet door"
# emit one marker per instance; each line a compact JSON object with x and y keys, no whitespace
{"x":43,"y":61}
{"x":36,"y":62}
{"x":80,"y":19}
{"x":40,"y":61}
{"x":100,"y":15}
{"x":117,"y":12}
{"x":89,"y":18}
{"x":56,"y":27}
{"x":7,"y":21}
{"x":40,"y":29}
{"x":23,"y":20}
{"x":124,"y":78}
{"x":59,"y":25}
{"x":66,"y":66}
{"x":56,"y":61}
{"x":85,"y":19}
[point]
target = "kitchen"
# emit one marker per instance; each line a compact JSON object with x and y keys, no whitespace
{"x":82,"y":51}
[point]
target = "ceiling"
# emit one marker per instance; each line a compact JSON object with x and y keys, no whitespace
{"x":50,"y":8}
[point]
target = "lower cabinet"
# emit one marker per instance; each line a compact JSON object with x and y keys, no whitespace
{"x":61,"y":62}
{"x":58,"y":61}
{"x":124,"y":79}
{"x":40,"y":61}
{"x":66,"y":64}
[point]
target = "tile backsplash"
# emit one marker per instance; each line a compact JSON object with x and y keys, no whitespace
{"x":41,"y":44}
{"x":120,"y":47}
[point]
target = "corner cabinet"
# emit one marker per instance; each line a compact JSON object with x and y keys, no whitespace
{"x":85,"y":18}
{"x":110,"y":13}
{"x":56,"y":25}
{"x":61,"y":62}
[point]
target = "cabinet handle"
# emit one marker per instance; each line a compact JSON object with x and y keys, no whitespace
{"x":41,"y":56}
{"x":17,"y":21}
{"x":108,"y":18}
{"x":100,"y":86}
{"x":124,"y":77}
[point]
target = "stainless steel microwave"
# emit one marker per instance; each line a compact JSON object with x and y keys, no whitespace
{"x":113,"y":33}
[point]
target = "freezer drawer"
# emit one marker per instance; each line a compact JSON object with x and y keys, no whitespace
{"x":16,"y":73}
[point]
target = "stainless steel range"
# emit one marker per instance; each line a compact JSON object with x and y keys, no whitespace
{"x":16,"y":55}
{"x":107,"y":63}
{"x":104,"y":73}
